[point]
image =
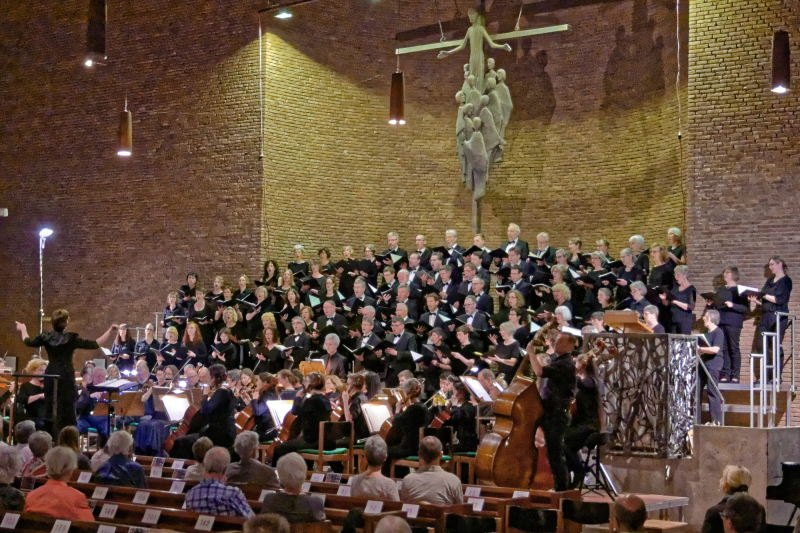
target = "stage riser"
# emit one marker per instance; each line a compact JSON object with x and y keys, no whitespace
{"x":760,"y":450}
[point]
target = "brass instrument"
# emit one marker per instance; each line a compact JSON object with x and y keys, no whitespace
{"x":437,"y":400}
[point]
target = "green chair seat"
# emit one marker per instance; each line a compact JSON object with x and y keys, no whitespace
{"x":337,"y":451}
{"x":267,"y":442}
{"x":358,"y":446}
{"x":466,"y":454}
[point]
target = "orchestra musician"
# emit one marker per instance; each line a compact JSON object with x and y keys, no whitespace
{"x":31,"y":404}
{"x":410,"y":417}
{"x":557,"y":394}
{"x":586,"y":418}
{"x":85,"y":403}
{"x":123,"y":349}
{"x":310,"y":407}
{"x":60,"y":347}
{"x":267,"y":389}
{"x":153,"y":428}
{"x":463,"y":419}
{"x":351,"y":399}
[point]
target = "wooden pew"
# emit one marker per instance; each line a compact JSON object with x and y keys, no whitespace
{"x":36,"y":523}
{"x":147,"y":460}
{"x":175,"y":519}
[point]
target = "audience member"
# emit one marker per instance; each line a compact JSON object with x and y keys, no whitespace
{"x":22,"y":432}
{"x":734,"y":479}
{"x":39,"y":443}
{"x":211,"y":495}
{"x":120,"y":470}
{"x":430,"y":483}
{"x":743,"y":514}
{"x":372,"y":483}
{"x":392,"y":524}
{"x":630,"y":513}
{"x":100,"y":457}
{"x":267,"y":523}
{"x":11,"y":499}
{"x":199,"y":450}
{"x":55,"y":498}
{"x":292,"y":503}
{"x":69,"y":437}
{"x":248,"y":470}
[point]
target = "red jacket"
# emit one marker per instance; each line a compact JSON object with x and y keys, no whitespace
{"x":57,"y":499}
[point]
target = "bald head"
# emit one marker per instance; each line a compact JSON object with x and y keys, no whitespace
{"x":392,"y":524}
{"x":630,"y":512}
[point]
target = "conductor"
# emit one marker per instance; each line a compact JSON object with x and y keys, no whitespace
{"x":60,"y":345}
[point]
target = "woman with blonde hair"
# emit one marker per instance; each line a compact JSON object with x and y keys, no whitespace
{"x":734,"y":479}
{"x":30,"y":398}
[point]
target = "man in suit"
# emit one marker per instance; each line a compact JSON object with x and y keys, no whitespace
{"x":335,"y":363}
{"x":330,"y":318}
{"x":401,"y":310}
{"x":399,"y":358}
{"x":515,"y":259}
{"x":393,"y":239}
{"x":479,"y":260}
{"x":518,"y":283}
{"x":359,"y":289}
{"x":480,"y":241}
{"x":472,"y":317}
{"x":404,"y":297}
{"x":484,"y":302}
{"x":432,"y":316}
{"x":414,"y":290}
{"x":423,"y":252}
{"x":544,"y":248}
{"x":369,"y":312}
{"x":514,"y":240}
{"x":448,"y":289}
{"x":451,"y":242}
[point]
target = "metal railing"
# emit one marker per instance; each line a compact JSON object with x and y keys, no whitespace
{"x":699,"y":393}
{"x":770,"y":374}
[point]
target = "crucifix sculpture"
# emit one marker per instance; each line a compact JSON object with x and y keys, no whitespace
{"x":479,"y":132}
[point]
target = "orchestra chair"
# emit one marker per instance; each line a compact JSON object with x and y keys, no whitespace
{"x":532,"y":520}
{"x":444,"y":434}
{"x":468,"y":459}
{"x":593,"y":465}
{"x":262,"y":451}
{"x":455,"y":523}
{"x":584,"y":513}
{"x":332,"y":432}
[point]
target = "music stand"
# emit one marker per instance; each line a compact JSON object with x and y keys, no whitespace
{"x":375,"y":414}
{"x":307,"y":367}
{"x":627,"y":321}
{"x":111,"y":387}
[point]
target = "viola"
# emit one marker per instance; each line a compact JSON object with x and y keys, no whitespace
{"x":245,"y":420}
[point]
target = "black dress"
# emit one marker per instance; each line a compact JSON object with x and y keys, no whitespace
{"x":406,"y":426}
{"x":510,"y":351}
{"x":60,"y":347}
{"x":682,"y":320}
{"x":465,"y":427}
{"x":128,"y":347}
{"x":37,"y":410}
{"x":218,"y":410}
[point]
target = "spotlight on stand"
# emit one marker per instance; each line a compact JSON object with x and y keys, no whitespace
{"x":283,"y":15}
{"x":45,"y":232}
{"x":396,"y":100}
{"x":781,"y":59}
{"x":125,"y":132}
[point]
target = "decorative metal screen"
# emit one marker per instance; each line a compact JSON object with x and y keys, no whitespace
{"x":648,"y":396}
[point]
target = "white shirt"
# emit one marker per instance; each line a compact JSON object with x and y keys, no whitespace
{"x":511,"y":245}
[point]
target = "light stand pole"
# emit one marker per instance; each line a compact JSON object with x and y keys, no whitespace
{"x":43,"y":235}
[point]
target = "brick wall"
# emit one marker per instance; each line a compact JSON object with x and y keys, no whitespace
{"x":744,"y":194}
{"x":592,"y":150}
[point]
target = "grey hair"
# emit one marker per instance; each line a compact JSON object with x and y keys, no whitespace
{"x":585,"y":330}
{"x":392,"y":524}
{"x":625,"y":251}
{"x":599,"y":254}
{"x":292,"y":470}
{"x":120,"y":442}
{"x":713,"y":315}
{"x":637,"y":238}
{"x":508,"y":327}
{"x":297,"y":318}
{"x":652,"y":309}
{"x":24,"y":430}
{"x":216,"y":460}
{"x":683,"y":269}
{"x":606,"y":291}
{"x":393,"y":234}
{"x":246,"y":444}
{"x":564,"y":311}
{"x":299,"y":247}
{"x":677,"y":232}
{"x":545,"y":235}
{"x":234,"y":375}
{"x":10,"y":464}
{"x":39,"y":443}
{"x":471,"y":298}
{"x":360,"y":282}
{"x":404,"y":305}
{"x":375,"y":450}
{"x":515,"y":226}
{"x":140,"y":364}
{"x":369,"y":309}
{"x":638,"y":286}
{"x":454,"y":232}
{"x":61,"y":462}
{"x":333,"y":337}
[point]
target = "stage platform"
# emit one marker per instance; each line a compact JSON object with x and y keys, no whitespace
{"x":658,"y":506}
{"x":695,"y":479}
